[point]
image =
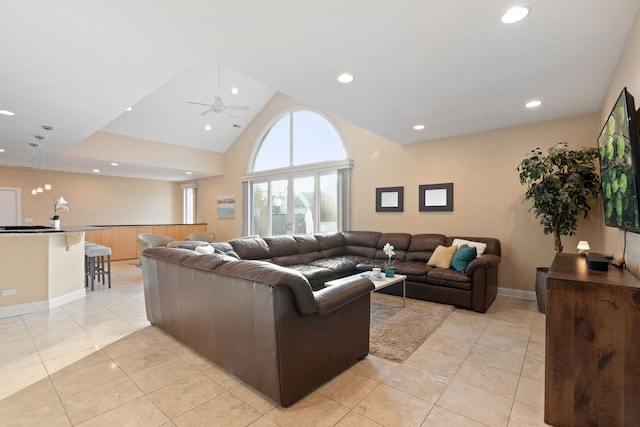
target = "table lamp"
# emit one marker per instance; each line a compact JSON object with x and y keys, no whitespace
{"x":583,"y":247}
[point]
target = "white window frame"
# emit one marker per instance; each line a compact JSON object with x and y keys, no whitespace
{"x":341,"y":167}
{"x":189,"y":203}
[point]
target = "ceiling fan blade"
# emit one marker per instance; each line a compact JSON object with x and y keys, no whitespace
{"x":204,"y":113}
{"x":237,"y":107}
{"x":198,"y":103}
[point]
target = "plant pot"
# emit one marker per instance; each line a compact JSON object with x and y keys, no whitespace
{"x":55,"y":223}
{"x":541,"y":288}
{"x":390,"y":271}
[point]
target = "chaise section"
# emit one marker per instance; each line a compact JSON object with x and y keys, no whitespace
{"x":258,"y":320}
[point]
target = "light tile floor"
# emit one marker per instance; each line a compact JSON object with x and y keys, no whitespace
{"x":81,"y":364}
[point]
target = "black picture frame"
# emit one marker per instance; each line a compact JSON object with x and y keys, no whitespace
{"x":390,"y":199}
{"x":435,"y":197}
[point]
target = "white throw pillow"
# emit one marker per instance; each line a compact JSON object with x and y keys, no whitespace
{"x":480,"y":247}
{"x":204,"y":250}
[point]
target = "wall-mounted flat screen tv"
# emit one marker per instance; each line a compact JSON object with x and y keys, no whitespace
{"x":619,"y":152}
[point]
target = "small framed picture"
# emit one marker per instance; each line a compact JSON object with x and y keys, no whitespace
{"x":436,"y":197}
{"x":390,"y":199}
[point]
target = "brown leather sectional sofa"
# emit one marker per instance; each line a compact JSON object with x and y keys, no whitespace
{"x":259,"y":309}
{"x":325,"y":257}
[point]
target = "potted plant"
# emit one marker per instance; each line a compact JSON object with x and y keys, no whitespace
{"x":59,"y":204}
{"x":562,"y":185}
{"x":389,"y":268}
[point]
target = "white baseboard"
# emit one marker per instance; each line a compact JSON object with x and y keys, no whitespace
{"x":18,"y":309}
{"x":32,"y":307}
{"x":517,"y":293}
{"x":63,"y":299}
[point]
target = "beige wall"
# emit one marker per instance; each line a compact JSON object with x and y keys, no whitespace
{"x":487,"y":193}
{"x":627,"y":74}
{"x":113,"y":147}
{"x":97,"y":199}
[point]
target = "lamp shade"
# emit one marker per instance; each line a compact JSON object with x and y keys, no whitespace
{"x":583,"y":246}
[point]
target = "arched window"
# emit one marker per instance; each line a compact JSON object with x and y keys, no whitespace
{"x":298,"y":178}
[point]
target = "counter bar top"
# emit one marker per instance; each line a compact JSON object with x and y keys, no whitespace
{"x":23,"y":229}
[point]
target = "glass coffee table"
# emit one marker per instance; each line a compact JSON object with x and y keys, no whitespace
{"x":380,"y":282}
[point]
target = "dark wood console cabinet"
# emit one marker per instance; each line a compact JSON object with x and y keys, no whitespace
{"x":592,"y":364}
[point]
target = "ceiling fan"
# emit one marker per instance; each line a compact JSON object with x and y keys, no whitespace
{"x":218,"y":106}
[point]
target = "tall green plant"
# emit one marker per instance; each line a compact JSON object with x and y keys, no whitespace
{"x":562,"y":185}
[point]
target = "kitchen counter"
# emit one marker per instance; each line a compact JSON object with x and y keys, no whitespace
{"x":45,"y":229}
{"x":42,"y":268}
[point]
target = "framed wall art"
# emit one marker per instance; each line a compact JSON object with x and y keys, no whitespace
{"x":390,"y":199}
{"x":226,"y":207}
{"x":435,"y":197}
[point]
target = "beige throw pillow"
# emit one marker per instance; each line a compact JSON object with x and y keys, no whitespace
{"x":442,"y":256}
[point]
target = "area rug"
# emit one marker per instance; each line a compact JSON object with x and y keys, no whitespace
{"x":396,"y":331}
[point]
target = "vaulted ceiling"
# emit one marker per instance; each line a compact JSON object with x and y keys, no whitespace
{"x":450,"y":65}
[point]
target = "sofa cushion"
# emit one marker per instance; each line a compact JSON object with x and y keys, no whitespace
{"x":493,"y":245}
{"x":463,"y":256}
{"x":442,"y":256}
{"x":331,"y":244}
{"x":317,"y":276}
{"x":339,"y":264}
{"x":412,"y":268}
{"x":309,"y":248}
{"x":280,"y":246}
{"x":251,"y":248}
{"x":480,"y":247}
{"x":399,"y":241}
{"x":361,"y":243}
{"x":205,"y":249}
{"x":422,"y":246}
{"x":448,"y":278}
{"x":225,"y":249}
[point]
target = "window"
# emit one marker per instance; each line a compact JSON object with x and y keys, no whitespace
{"x":189,"y":203}
{"x":299,"y":178}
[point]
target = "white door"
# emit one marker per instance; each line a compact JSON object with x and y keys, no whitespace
{"x":9,"y":206}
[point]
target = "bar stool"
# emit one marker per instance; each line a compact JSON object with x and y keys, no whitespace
{"x":94,"y":256}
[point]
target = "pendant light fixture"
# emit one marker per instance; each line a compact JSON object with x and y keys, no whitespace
{"x":46,"y":128}
{"x":39,"y":189}
{"x":34,"y":147}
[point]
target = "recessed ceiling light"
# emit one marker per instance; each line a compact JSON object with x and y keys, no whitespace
{"x":515,"y":14}
{"x":7,"y":113}
{"x":129,"y":109}
{"x":418,"y":127}
{"x":234,"y":90}
{"x":1,"y":150}
{"x":345,"y":78}
{"x":189,"y":173}
{"x":115,"y":164}
{"x":207,"y":127}
{"x":533,"y":104}
{"x":96,"y":171}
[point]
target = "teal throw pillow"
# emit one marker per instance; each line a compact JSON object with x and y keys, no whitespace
{"x":463,"y":256}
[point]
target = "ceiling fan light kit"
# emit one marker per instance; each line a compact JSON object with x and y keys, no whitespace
{"x":218,"y":106}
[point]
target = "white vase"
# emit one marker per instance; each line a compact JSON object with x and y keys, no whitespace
{"x":55,"y":223}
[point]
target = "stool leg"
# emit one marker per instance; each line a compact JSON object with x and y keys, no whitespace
{"x":109,"y":268}
{"x":93,"y":272}
{"x":86,"y":271}
{"x":101,"y":268}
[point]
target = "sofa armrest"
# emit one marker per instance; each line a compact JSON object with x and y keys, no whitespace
{"x":333,"y":297}
{"x":485,"y":261}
